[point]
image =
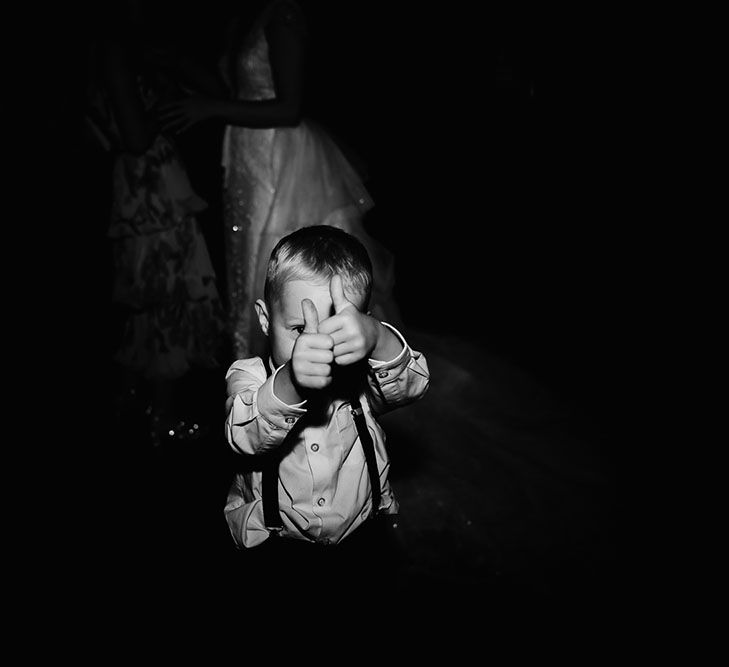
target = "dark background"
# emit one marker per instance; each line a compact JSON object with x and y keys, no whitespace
{"x":491,"y":143}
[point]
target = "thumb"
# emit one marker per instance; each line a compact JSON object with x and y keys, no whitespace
{"x":336,"y":290}
{"x":311,"y":317}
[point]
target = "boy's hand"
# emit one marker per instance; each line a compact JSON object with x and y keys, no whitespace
{"x":312,"y":356}
{"x":353,"y":333}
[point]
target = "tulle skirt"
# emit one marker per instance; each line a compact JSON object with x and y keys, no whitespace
{"x":276,"y":181}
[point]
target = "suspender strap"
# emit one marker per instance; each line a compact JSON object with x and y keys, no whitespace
{"x":369,"y":451}
{"x":269,"y":488}
{"x":271,"y":513}
{"x":269,"y":491}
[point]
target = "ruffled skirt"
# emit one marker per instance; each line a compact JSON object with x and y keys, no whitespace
{"x":163,"y":274}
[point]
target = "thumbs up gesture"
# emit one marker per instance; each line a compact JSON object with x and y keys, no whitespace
{"x":312,"y":356}
{"x":354,"y":334}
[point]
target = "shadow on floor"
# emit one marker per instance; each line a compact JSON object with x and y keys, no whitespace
{"x":508,"y":498}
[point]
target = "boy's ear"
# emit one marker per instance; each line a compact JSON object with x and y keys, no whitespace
{"x":262,"y":313}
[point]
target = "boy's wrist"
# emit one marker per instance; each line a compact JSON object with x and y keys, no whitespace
{"x":285,"y":387}
{"x":387,"y":346}
{"x":274,"y":405}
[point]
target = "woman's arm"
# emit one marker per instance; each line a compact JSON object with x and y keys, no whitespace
{"x":287,"y":50}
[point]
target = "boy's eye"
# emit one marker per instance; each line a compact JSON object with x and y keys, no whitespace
{"x":299,"y":330}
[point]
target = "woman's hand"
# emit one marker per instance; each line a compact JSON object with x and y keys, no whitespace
{"x":180,"y":115}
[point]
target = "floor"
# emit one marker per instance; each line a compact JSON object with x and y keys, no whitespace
{"x":508,"y":495}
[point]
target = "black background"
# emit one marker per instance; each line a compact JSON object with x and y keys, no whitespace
{"x":492,"y":147}
{"x":490,"y":143}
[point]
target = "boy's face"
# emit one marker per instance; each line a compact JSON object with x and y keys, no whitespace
{"x":284,"y":321}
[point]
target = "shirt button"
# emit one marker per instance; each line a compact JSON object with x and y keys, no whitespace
{"x":315,"y":447}
{"x":382,"y":374}
{"x":290,"y":420}
{"x":324,"y":541}
{"x":320,"y":502}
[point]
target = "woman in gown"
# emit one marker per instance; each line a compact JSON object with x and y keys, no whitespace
{"x":163,"y":278}
{"x":281,"y":171}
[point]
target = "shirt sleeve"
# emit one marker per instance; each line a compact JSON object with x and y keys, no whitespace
{"x":399,"y":381}
{"x":257,"y":420}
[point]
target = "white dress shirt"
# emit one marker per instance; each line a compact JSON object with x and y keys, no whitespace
{"x":323,"y":488}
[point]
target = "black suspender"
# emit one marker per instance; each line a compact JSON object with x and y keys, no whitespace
{"x":369,"y":451}
{"x":269,"y":481}
{"x":269,"y":491}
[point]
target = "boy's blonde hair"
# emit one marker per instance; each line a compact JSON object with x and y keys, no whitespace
{"x":316,"y":253}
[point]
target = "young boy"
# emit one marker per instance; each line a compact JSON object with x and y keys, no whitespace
{"x":307,"y":415}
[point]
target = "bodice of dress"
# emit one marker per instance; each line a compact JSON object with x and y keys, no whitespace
{"x":253,"y":79}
